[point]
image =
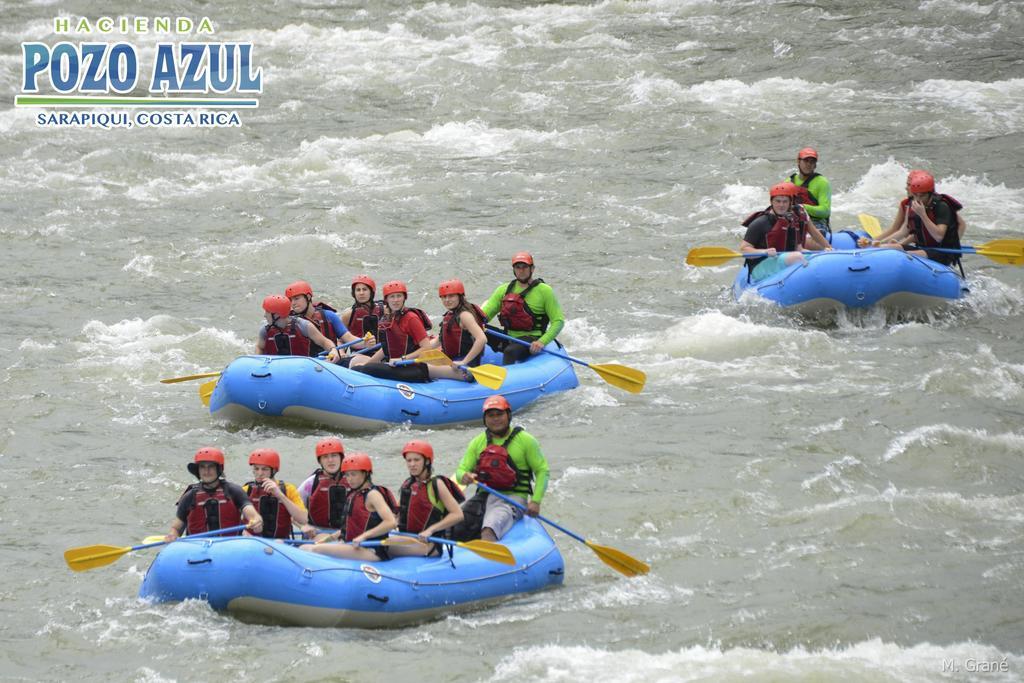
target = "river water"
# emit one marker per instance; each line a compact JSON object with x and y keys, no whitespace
{"x":837,"y":499}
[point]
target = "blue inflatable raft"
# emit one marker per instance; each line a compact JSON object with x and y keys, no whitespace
{"x":855,"y":278}
{"x":263,"y":581}
{"x":253,"y":388}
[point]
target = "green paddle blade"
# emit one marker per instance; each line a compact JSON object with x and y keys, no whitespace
{"x":619,"y":561}
{"x":711,"y":256}
{"x":92,"y":556}
{"x":870,"y":225}
{"x":496,"y":552}
{"x":187,"y":378}
{"x":630,"y":379}
{"x":206,"y":391}
{"x":490,"y":376}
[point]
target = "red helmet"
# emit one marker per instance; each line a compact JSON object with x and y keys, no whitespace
{"x":277,"y":305}
{"x":266,"y":456}
{"x":451,"y":287}
{"x":357,"y":461}
{"x":421,"y":447}
{"x":807,"y":153}
{"x":298,"y":287}
{"x":921,"y":181}
{"x":522,"y":257}
{"x":395,"y":287}
{"x":207,"y":454}
{"x":783,"y":190}
{"x":496,"y":402}
{"x":331,"y":444}
{"x":364,"y":280}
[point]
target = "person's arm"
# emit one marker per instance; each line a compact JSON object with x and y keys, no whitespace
{"x":937,"y":229}
{"x":821,"y":188}
{"x":453,"y":512}
{"x":556,"y":318}
{"x":180,"y":515}
{"x":538,"y":464}
{"x":464,"y":472}
{"x":493,"y":304}
{"x":340,"y":329}
{"x":756,"y":232}
{"x":468,"y":323}
{"x":314,"y":335}
{"x":899,"y":222}
{"x":261,"y":340}
{"x":413,"y":326}
{"x":255,"y":525}
{"x":242,"y":502}
{"x":289,"y":498}
{"x":375,"y":503}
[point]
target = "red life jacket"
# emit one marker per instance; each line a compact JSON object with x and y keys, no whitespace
{"x":327,"y":500}
{"x":420,"y":503}
{"x":211,"y":510}
{"x":365,"y":317}
{"x":515,"y":314}
{"x":495,"y":468}
{"x":804,"y":195}
{"x":455,"y":341}
{"x":288,"y":341}
{"x":784,"y":236}
{"x":393,"y":339}
{"x":358,"y":517}
{"x":322,"y":324}
{"x":951,"y":240}
{"x":277,"y":521}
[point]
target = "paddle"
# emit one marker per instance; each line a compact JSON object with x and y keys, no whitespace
{"x":206,"y":391}
{"x":92,"y":556}
{"x":188,"y":378}
{"x":621,"y":376}
{"x":616,"y":559}
{"x":715,"y":256}
{"x":870,"y":225}
{"x":1009,"y":252}
{"x":496,"y":552}
{"x":339,"y":347}
{"x":490,"y":376}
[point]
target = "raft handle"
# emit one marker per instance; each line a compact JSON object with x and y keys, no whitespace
{"x":557,"y":572}
{"x":859,"y":269}
{"x":203,"y":561}
{"x":412,"y":413}
{"x":377,"y":597}
{"x":260,"y":375}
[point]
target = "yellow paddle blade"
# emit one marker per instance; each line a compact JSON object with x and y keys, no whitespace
{"x":870,"y":225}
{"x":153,"y":539}
{"x":496,"y":552}
{"x":206,"y":391}
{"x":619,"y":561}
{"x":630,"y":379}
{"x":433,"y":357}
{"x":187,"y":378}
{"x":1010,"y":252}
{"x":491,"y":376}
{"x":711,"y":256}
{"x":92,"y":556}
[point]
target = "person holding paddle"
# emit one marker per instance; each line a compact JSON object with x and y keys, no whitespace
{"x":212,"y":503}
{"x":778,"y":232}
{"x":462,"y":333}
{"x":364,"y":313}
{"x":428,"y":503}
{"x":325,"y":491}
{"x":285,"y":334}
{"x":278,"y":502}
{"x":326,"y":319}
{"x":369,"y":515}
{"x":508,"y":460}
{"x":403,"y":336}
{"x":527,"y":309}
